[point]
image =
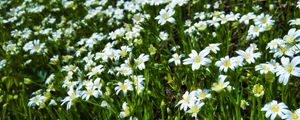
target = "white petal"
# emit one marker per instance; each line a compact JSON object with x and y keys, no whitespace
{"x":295,"y":61}
{"x":285,"y":61}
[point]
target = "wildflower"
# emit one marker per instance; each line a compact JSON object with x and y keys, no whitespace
{"x":2,"y":63}
{"x":238,"y":61}
{"x":163,"y":36}
{"x":220,"y":85}
{"x":201,"y":94}
{"x":139,"y":18}
{"x":124,"y":69}
{"x":225,"y":63}
{"x":254,"y":31}
{"x":72,"y":95}
{"x":214,"y":47}
{"x":187,"y":99}
{"x":36,"y":100}
{"x":35,"y":47}
{"x":138,"y":81}
{"x":152,"y":49}
{"x":293,"y":115}
{"x":264,"y":68}
{"x":49,"y":79}
{"x":288,"y":68}
{"x":249,"y":54}
{"x":52,"y":102}
{"x":125,"y":110}
{"x":96,"y":70}
{"x":90,"y":91}
{"x":283,"y":49}
{"x":292,"y":36}
{"x":274,"y":108}
{"x":264,"y":20}
{"x":124,"y":51}
{"x":197,"y":59}
{"x":295,"y":21}
{"x":274,"y":44}
{"x":195,"y":108}
{"x":214,"y":22}
{"x":244,"y":104}
{"x":258,"y":90}
{"x":246,"y":18}
{"x":176,"y":59}
{"x":165,"y":16}
{"x":140,"y":61}
{"x":127,"y":86}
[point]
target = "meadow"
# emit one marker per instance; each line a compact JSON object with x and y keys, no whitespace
{"x":150,"y":59}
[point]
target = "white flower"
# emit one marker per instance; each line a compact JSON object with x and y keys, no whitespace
{"x":225,"y":63}
{"x":274,"y":108}
{"x":195,"y":108}
{"x":264,"y":20}
{"x":214,"y":22}
{"x":197,"y":59}
{"x":220,"y":85}
{"x":96,"y":70}
{"x":163,"y":36}
{"x":238,"y":61}
{"x":288,"y":68}
{"x":264,"y":68}
{"x":36,"y":100}
{"x":165,"y":16}
{"x":249,"y":54}
{"x":35,"y":47}
{"x":201,"y":94}
{"x":246,"y":18}
{"x":72,"y":95}
{"x":140,"y":61}
{"x":283,"y":49}
{"x":138,"y":81}
{"x":292,"y":36}
{"x":254,"y":31}
{"x":214,"y":47}
{"x":187,"y":99}
{"x":124,"y":69}
{"x":293,"y":115}
{"x":295,"y":21}
{"x":202,"y":25}
{"x":127,"y":86}
{"x":274,"y":44}
{"x":176,"y":59}
{"x":125,"y":110}
{"x":90,"y":91}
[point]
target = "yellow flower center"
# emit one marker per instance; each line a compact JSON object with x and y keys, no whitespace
{"x":123,"y":53}
{"x":138,"y":18}
{"x":295,"y":116}
{"x":203,"y":95}
{"x":256,"y":29}
{"x":264,"y":20}
{"x":197,"y":59}
{"x":248,"y":56}
{"x":36,"y":47}
{"x":227,"y":63}
{"x":165,"y":16}
{"x":282,"y":49}
{"x":195,"y":110}
{"x":124,"y":87}
{"x":90,"y":92}
{"x":290,"y":69}
{"x":275,"y":108}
